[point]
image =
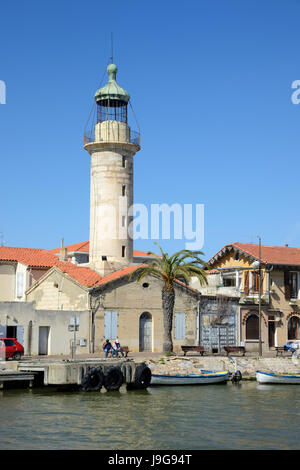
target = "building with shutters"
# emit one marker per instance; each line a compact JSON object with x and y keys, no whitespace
{"x":233,"y":274}
{"x":118,"y":306}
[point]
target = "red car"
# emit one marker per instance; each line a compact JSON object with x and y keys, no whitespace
{"x":10,"y":348}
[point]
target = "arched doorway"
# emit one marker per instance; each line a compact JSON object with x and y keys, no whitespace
{"x":146,"y":332}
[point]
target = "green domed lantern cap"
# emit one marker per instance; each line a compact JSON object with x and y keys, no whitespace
{"x":112,"y":91}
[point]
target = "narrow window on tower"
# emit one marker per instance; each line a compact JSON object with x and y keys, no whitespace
{"x":123,"y":161}
{"x":123,"y":220}
{"x":123,"y":190}
{"x":123,"y":251}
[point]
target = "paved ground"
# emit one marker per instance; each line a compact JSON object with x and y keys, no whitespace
{"x":143,"y":356}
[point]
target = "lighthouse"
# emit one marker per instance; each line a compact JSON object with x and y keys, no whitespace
{"x":112,"y":145}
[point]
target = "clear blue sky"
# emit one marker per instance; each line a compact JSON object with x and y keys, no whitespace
{"x":210,"y":83}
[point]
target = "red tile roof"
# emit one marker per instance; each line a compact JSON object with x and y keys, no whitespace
{"x":284,"y":255}
{"x":211,"y":271}
{"x":32,"y":257}
{"x":85,"y":276}
{"x":84,"y":247}
{"x":91,"y":279}
{"x":141,"y":253}
{"x":120,"y":273}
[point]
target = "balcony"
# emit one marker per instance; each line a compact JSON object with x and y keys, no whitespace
{"x":112,"y":135}
{"x":253,"y":298}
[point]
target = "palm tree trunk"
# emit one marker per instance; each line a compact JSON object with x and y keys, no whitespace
{"x":168,"y":300}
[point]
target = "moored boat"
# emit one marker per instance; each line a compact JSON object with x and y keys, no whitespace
{"x":205,"y":377}
{"x":264,"y":377}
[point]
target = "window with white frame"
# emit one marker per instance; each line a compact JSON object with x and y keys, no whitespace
{"x":231,"y":279}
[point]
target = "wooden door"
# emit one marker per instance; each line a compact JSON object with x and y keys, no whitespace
{"x":146,"y":332}
{"x":271,"y":334}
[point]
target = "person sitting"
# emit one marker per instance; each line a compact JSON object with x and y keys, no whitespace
{"x":289,"y":347}
{"x":114,"y":351}
{"x":117,"y":348}
{"x":106,"y":347}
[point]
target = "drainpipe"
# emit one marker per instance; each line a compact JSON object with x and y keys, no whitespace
{"x":92,"y":330}
{"x":199,"y":323}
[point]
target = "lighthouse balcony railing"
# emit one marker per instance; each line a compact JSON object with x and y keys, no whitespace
{"x":132,"y":138}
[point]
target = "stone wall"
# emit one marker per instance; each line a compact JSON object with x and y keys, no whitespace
{"x":57,"y":292}
{"x":247,"y":366}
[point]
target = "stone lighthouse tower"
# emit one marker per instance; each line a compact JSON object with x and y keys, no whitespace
{"x":112,"y":146}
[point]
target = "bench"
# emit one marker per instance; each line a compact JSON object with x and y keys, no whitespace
{"x":125,"y":351}
{"x":281,"y":349}
{"x":200,"y":349}
{"x":230,"y":349}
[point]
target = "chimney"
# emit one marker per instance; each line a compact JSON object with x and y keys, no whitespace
{"x":286,"y":244}
{"x":63,"y":252}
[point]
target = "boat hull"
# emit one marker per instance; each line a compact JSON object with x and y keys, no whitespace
{"x":273,"y":378}
{"x":206,"y":377}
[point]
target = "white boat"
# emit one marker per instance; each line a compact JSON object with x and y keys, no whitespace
{"x":205,"y":377}
{"x":277,"y":378}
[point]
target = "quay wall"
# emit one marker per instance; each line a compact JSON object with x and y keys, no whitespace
{"x":247,"y":366}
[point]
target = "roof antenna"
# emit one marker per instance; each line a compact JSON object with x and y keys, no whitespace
{"x":112,"y":48}
{"x":2,"y":242}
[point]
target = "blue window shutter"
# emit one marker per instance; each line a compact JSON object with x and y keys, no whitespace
{"x":179,"y":332}
{"x":183,"y":325}
{"x":2,"y":331}
{"x":114,"y":319}
{"x":20,"y":334}
{"x":110,"y":324}
{"x":107,"y":325}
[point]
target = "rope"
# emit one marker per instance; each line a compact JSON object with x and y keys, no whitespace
{"x":135,"y":117}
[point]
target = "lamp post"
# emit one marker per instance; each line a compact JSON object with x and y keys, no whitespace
{"x":257,"y":264}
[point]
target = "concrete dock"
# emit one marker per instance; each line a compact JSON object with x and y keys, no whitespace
{"x":67,"y":373}
{"x":72,"y":372}
{"x":12,"y":378}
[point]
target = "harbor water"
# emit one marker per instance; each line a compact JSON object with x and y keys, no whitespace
{"x":245,"y":416}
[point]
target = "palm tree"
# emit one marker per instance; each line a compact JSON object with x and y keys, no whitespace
{"x":183,"y":264}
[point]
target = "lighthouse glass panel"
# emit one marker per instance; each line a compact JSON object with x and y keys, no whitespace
{"x":112,"y":110}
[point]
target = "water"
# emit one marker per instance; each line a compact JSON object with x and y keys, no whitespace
{"x":246,"y":416}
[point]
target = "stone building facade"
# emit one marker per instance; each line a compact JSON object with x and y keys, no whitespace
{"x":118,"y":306}
{"x":235,"y":272}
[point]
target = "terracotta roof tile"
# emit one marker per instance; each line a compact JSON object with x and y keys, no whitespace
{"x":89,"y":278}
{"x":120,"y":273}
{"x":85,"y":276}
{"x":84,"y":247}
{"x":284,"y":255}
{"x":32,"y":257}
